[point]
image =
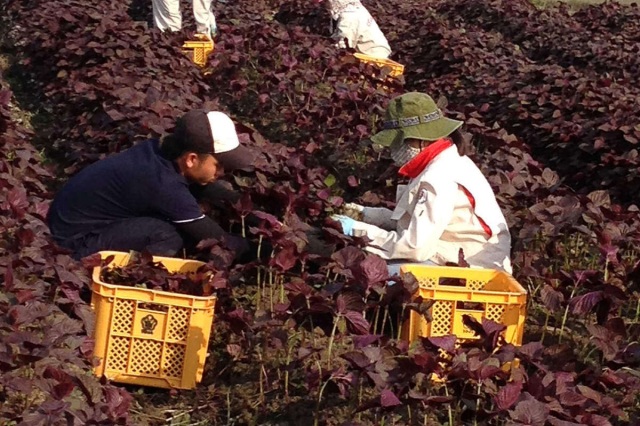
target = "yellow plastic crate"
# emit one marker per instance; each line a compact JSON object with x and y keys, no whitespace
{"x":397,"y":69}
{"x":479,"y":293}
{"x":198,"y":50}
{"x":149,"y":337}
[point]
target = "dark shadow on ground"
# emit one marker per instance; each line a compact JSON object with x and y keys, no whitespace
{"x":141,"y":10}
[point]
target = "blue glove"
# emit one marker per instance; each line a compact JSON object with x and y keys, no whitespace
{"x":346,"y":222}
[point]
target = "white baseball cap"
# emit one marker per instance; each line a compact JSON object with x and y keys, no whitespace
{"x":212,"y":132}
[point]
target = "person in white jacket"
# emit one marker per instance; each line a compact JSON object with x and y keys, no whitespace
{"x":167,"y":16}
{"x":355,"y":24}
{"x":447,"y":205}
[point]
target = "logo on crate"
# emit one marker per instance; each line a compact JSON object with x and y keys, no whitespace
{"x":149,"y":324}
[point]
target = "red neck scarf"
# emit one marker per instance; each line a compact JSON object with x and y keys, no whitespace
{"x":414,"y":167}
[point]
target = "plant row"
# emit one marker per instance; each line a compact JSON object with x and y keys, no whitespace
{"x":578,"y":122}
{"x":601,"y":40}
{"x":45,"y":352}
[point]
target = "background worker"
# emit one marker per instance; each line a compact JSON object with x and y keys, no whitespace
{"x":167,"y":16}
{"x":140,"y":199}
{"x":447,"y":205}
{"x":354,"y":23}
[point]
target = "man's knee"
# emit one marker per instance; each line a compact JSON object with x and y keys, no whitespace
{"x":165,"y":240}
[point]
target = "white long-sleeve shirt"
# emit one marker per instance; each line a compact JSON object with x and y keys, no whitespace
{"x":357,"y":26}
{"x":435,"y":217}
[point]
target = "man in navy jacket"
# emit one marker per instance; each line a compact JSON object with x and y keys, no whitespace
{"x":143,"y":198}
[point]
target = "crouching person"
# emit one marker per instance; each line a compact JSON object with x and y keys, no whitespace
{"x":140,"y":199}
{"x":447,"y":204}
{"x":354,"y":23}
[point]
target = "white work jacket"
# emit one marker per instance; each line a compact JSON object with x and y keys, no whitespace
{"x":434,"y":218}
{"x":357,"y":26}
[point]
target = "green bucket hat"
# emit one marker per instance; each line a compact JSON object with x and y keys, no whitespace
{"x":414,"y":115}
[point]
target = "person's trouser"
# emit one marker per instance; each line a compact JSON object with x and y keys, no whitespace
{"x":393,"y":266}
{"x":167,"y":16}
{"x":158,"y":237}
